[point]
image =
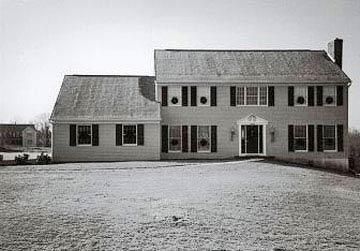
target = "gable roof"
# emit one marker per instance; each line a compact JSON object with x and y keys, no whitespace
{"x":106,"y":98}
{"x":16,"y":127}
{"x":261,"y":66}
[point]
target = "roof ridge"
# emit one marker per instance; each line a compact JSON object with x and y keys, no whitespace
{"x":237,"y":50}
{"x":110,"y":76}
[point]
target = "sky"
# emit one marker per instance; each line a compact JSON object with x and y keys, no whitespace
{"x":42,"y":40}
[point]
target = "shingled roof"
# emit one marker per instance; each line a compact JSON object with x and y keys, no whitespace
{"x":106,"y":98}
{"x":260,"y":66}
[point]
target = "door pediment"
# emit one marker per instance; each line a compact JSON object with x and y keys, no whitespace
{"x":252,"y":120}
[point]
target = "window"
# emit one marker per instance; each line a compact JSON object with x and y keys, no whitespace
{"x":251,"y":95}
{"x":175,"y":138}
{"x":329,"y":138}
{"x":174,"y":94}
{"x":129,"y":135}
{"x":300,"y":138}
{"x":203,"y":96}
{"x":203,"y":140}
{"x":329,"y":95}
{"x":300,"y":94}
{"x":84,"y":135}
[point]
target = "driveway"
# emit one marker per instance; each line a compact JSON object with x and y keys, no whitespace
{"x":246,"y":205}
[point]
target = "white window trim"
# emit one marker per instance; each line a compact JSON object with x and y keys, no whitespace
{"x":336,"y":145}
{"x":197,"y":140}
{"x":123,"y":134}
{"x":307,"y":140}
{"x":306,"y":96}
{"x":77,"y":135}
{"x":335,"y":96}
{"x":258,"y":95}
{"x":198,"y":96}
{"x":173,"y":151}
{"x":179,"y":95}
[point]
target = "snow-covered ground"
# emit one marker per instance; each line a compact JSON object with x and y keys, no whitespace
{"x":246,"y":205}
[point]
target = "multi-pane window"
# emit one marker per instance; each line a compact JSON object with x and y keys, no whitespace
{"x":203,"y":140}
{"x":175,"y":138}
{"x":251,"y":95}
{"x":329,"y":95}
{"x":84,"y":135}
{"x":329,"y":137}
{"x":174,"y":94}
{"x":203,"y":96}
{"x":300,"y":94}
{"x":300,"y":138}
{"x":129,"y":134}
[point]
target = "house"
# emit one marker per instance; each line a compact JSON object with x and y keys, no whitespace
{"x":215,"y":104}
{"x":17,"y":135}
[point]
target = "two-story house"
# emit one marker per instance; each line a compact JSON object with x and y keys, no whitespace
{"x":215,"y":104}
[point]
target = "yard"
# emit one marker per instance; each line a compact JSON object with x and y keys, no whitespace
{"x":246,"y":205}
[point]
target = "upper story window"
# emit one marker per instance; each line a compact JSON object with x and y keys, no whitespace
{"x":300,"y":137}
{"x":203,"y":140}
{"x":329,"y":95}
{"x":300,"y":95}
{"x":203,"y":96}
{"x":175,"y":138}
{"x":84,"y":135}
{"x":174,"y":96}
{"x":329,"y":137}
{"x":252,"y":95}
{"x":129,"y":135}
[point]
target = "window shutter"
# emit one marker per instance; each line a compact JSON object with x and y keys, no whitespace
{"x":291,"y":96}
{"x":193,"y":138}
{"x":118,"y":134}
{"x":271,"y":96}
{"x":339,"y":95}
{"x":319,"y":138}
{"x":185,"y":144}
{"x":140,"y":134}
{"x":164,"y":139}
{"x":291,"y":138}
{"x":311,"y":95}
{"x":232,"y":96}
{"x":193,"y":95}
{"x":72,"y":135}
{"x":213,"y":96}
{"x":95,"y":135}
{"x":164,"y":96}
{"x":213,"y":138}
{"x":184,"y":95}
{"x":261,"y":139}
{"x":340,"y":138}
{"x":311,"y":132}
{"x":319,"y":95}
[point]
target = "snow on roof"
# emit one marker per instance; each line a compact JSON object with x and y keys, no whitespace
{"x":275,"y":66}
{"x":106,"y":98}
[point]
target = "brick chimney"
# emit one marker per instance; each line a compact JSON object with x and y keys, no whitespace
{"x":335,"y":50}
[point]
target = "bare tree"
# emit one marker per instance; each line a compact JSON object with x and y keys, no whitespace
{"x":42,"y":125}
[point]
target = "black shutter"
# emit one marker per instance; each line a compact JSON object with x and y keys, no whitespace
{"x":213,"y":138}
{"x":184,"y":95}
{"x":339,"y":95}
{"x":140,"y":134}
{"x":291,"y":138}
{"x":185,"y":144}
{"x":291,"y":96}
{"x":118,"y":135}
{"x":164,"y":96}
{"x":232,"y":96}
{"x":72,"y":135}
{"x":319,"y":138}
{"x":271,"y":96}
{"x":311,"y":131}
{"x":340,"y":138}
{"x":193,"y":95}
{"x":193,"y":138}
{"x":213,"y":96}
{"x":261,"y":138}
{"x":95,"y":135}
{"x":164,"y":139}
{"x":311,"y":95}
{"x":319,"y":95}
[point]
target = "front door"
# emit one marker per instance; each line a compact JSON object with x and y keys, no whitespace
{"x":252,"y":139}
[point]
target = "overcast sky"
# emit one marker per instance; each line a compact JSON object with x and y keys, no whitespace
{"x":42,"y":40}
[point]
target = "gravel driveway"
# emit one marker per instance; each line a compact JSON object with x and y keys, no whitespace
{"x":246,"y":205}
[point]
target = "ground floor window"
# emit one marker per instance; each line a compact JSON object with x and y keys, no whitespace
{"x":175,"y":138}
{"x":84,"y":135}
{"x":129,"y":135}
{"x":329,"y":137}
{"x":300,"y":138}
{"x":203,"y":140}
